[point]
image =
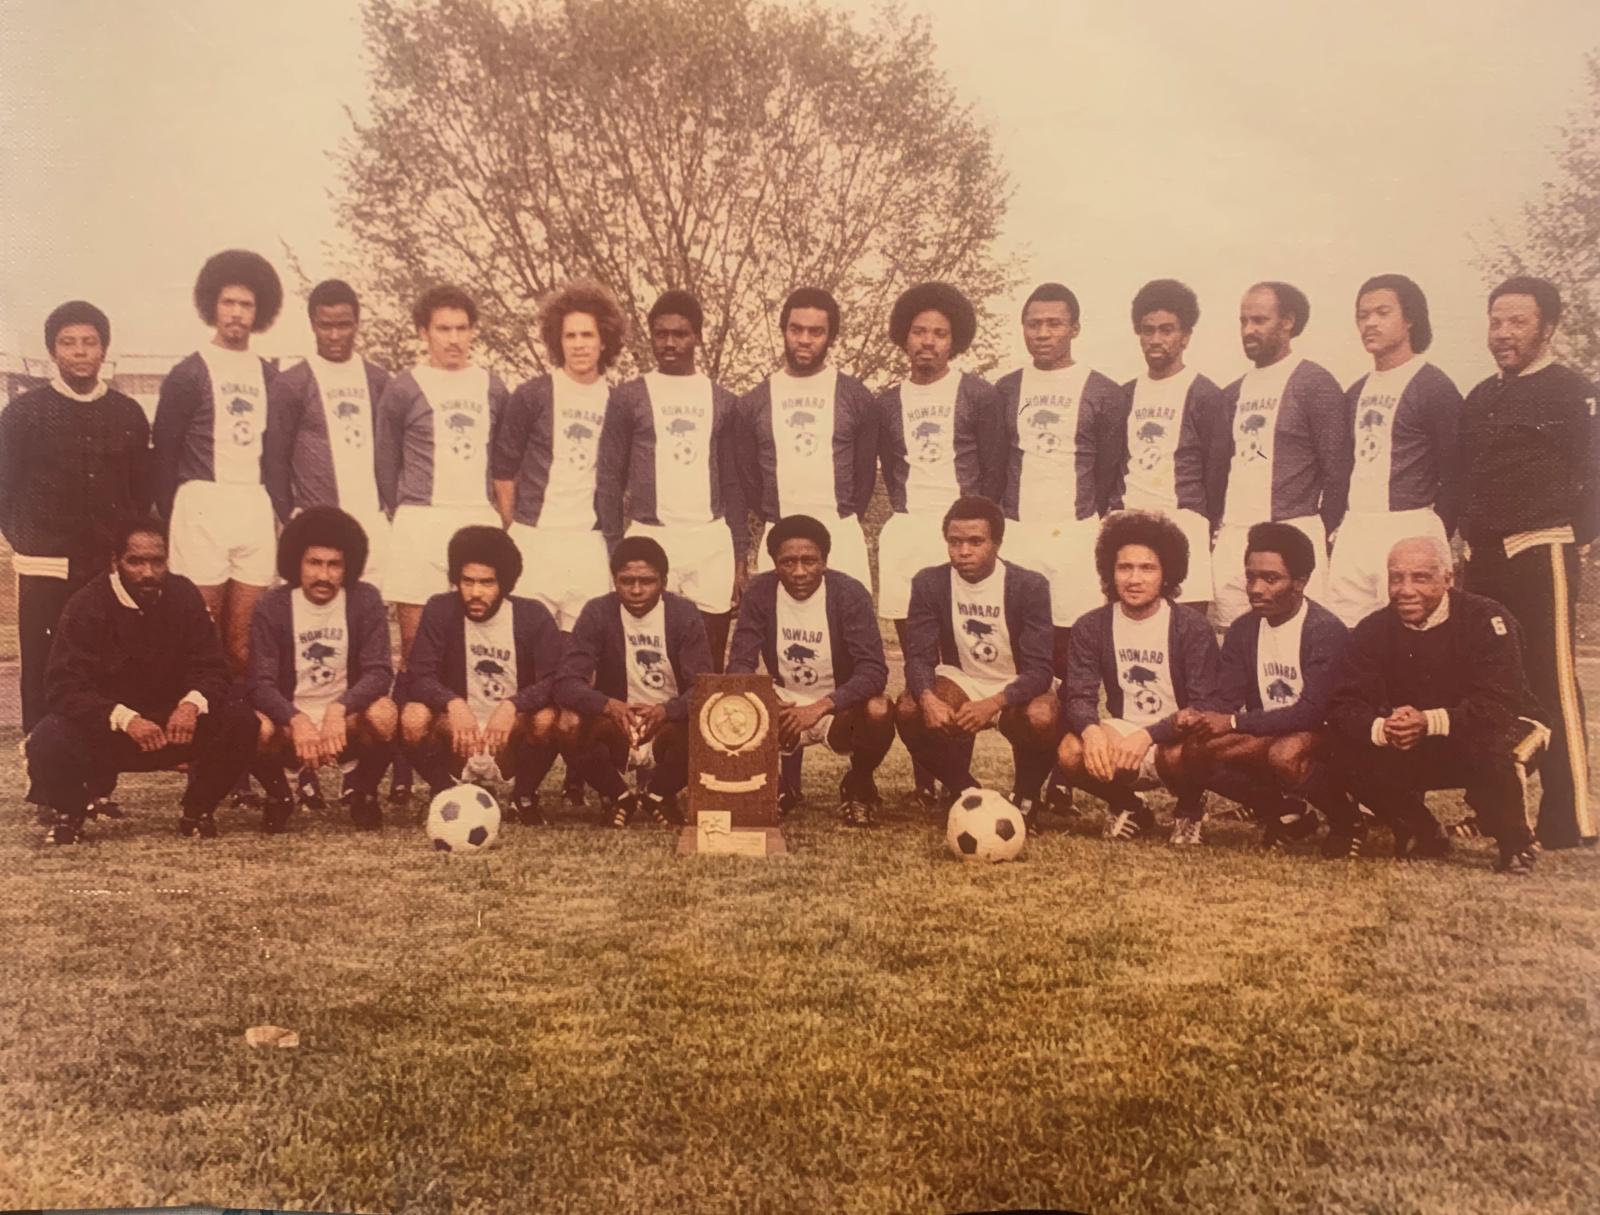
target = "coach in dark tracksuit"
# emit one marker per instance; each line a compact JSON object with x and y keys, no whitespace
{"x":137,"y":682}
{"x":1531,"y":457}
{"x":1431,"y":694}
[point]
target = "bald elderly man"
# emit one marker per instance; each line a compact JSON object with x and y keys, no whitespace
{"x":1432,"y":695}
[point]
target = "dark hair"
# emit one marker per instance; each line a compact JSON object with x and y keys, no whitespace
{"x":323,"y":527}
{"x":1413,"y":305}
{"x":442,"y":296}
{"x":330,"y":292}
{"x":811,"y":297}
{"x":678,"y":302}
{"x":1053,"y":293}
{"x":1157,"y":533}
{"x":799,"y":527}
{"x":75,"y":312}
{"x":239,"y":268}
{"x":1290,"y":299}
{"x":129,"y":526}
{"x":639,"y":548}
{"x":975,"y":506}
{"x":1167,"y":295}
{"x":478,"y":544}
{"x":1544,"y":293}
{"x":583,"y":295}
{"x":1289,"y":542}
{"x":934,"y":297}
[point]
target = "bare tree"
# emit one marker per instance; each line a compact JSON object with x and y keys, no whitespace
{"x":733,"y":147}
{"x":1560,"y":233}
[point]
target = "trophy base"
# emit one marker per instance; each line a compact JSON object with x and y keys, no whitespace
{"x":742,"y":841}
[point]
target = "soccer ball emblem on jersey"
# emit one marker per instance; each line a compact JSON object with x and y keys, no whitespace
{"x":980,"y":644}
{"x":1369,"y":440}
{"x":349,"y":415}
{"x":579,"y":454}
{"x":650,"y":671}
{"x":805,"y":437}
{"x":1251,"y":432}
{"x":493,"y":680}
{"x":928,"y":442}
{"x":1149,"y":436}
{"x":800,"y":657}
{"x":682,"y":445}
{"x":243,"y":414}
{"x":1041,"y":429}
{"x":1145,"y":698}
{"x":462,"y":427}
{"x":320,"y":673}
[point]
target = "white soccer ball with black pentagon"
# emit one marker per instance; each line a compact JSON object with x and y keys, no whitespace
{"x":984,"y":826}
{"x":463,"y":819}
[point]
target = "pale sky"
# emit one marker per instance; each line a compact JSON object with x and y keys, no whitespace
{"x":1314,"y":143}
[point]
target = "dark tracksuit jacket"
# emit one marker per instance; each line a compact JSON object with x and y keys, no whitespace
{"x":598,"y":652}
{"x":183,"y":438}
{"x":978,"y":442}
{"x":1323,"y":638}
{"x":1100,"y":446}
{"x":931,"y":637}
{"x":1200,"y":459}
{"x":436,"y":672}
{"x":1092,"y":665}
{"x":297,"y":454}
{"x":855,"y":449}
{"x":860,"y":670}
{"x":370,"y":668}
{"x":1424,"y":444}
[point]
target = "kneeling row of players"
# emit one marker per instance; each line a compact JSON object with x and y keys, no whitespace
{"x":1431,"y":693}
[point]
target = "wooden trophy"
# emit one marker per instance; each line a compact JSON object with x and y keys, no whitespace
{"x":733,"y":767}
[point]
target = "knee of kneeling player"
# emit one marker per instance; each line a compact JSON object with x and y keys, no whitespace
{"x":382,"y":718}
{"x":878,"y":711}
{"x":907,"y":714}
{"x":415,"y":722}
{"x":1069,"y":752}
{"x":1289,"y":760}
{"x":1042,"y":716}
{"x":266,"y":729}
{"x":542,"y":727}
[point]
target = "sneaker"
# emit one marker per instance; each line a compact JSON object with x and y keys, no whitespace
{"x":1519,"y":862}
{"x":663,"y":811}
{"x":1059,"y":798}
{"x":365,"y":812}
{"x":526,"y":811}
{"x":104,"y":807}
{"x":926,"y":798}
{"x":1126,"y":824}
{"x":202,"y":827}
{"x":275,"y":814}
{"x":399,"y":795}
{"x":308,"y":790}
{"x":68,"y":829}
{"x":1029,"y":809}
{"x":856,"y":814}
{"x":572,"y":791}
{"x":1186,"y":832}
{"x":788,"y":802}
{"x":244,"y":795}
{"x":1345,"y":842}
{"x":616,"y":811}
{"x":44,"y":816}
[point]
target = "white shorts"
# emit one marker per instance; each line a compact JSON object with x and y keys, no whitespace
{"x":699,"y":561}
{"x":817,"y":733}
{"x":377,"y":528}
{"x":1227,"y":566}
{"x":1064,"y":553}
{"x":1358,"y":572}
{"x":907,"y":545}
{"x":1147,"y":777}
{"x":223,"y":533}
{"x":847,"y":554}
{"x":976,"y":688}
{"x":1196,"y":528}
{"x":563,"y":568}
{"x":419,"y":543}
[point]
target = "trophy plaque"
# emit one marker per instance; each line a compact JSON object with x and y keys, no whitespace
{"x":733,"y":767}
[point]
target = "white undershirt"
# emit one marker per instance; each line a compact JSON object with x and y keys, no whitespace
{"x":461,"y":421}
{"x":802,"y":435}
{"x":1144,"y":665}
{"x":684,"y":415}
{"x":577,"y":415}
{"x":491,"y":649}
{"x":1279,"y":678}
{"x":1153,"y":426}
{"x":347,"y":408}
{"x":239,"y":414}
{"x":1047,"y":436}
{"x":650,"y":677}
{"x":805,"y":653}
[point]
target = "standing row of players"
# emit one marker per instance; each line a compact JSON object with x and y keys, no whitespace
{"x":570,"y":465}
{"x":1428,"y":692}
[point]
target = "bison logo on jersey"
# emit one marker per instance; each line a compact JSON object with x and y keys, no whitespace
{"x":1280,"y":693}
{"x":463,"y":427}
{"x":349,"y":415}
{"x":1369,"y":436}
{"x":805,"y":436}
{"x":319,"y":674}
{"x":581,"y":454}
{"x":1150,"y":436}
{"x":800,"y":658}
{"x":1043,"y":429}
{"x":1252,"y":428}
{"x":651,"y":673}
{"x":928,"y":440}
{"x":243,"y":413}
{"x":980,"y":644}
{"x":494,"y":681}
{"x":1146,"y":699}
{"x":683,"y":446}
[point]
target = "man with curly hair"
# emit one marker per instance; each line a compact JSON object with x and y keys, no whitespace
{"x":210,"y":420}
{"x":809,"y":434}
{"x":320,"y":666}
{"x":1152,"y":657}
{"x":544,"y":456}
{"x":322,"y":422}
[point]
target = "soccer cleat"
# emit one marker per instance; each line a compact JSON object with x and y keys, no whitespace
{"x":1519,"y":862}
{"x":44,"y":816}
{"x":1345,"y":842}
{"x":275,"y":812}
{"x":526,"y":811}
{"x":663,"y":811}
{"x":68,"y":829}
{"x":201,"y":826}
{"x":365,"y":812}
{"x":1431,"y":845}
{"x":856,"y":814}
{"x":1127,"y":824}
{"x":1186,"y":832}
{"x":789,"y":801}
{"x":308,"y":790}
{"x":926,"y":797}
{"x":1467,"y":828}
{"x":244,"y":795}
{"x":616,"y":811}
{"x":399,"y":795}
{"x":104,"y":807}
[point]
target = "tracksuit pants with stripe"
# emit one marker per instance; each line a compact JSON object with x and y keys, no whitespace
{"x":1539,"y":586}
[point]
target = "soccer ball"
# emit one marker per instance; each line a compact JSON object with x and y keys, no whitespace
{"x":984,"y":826}
{"x":463,"y":819}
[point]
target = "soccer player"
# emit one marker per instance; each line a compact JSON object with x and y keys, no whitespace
{"x":1291,"y":443}
{"x":481,"y":677}
{"x":320,"y":667}
{"x":809,"y":434}
{"x":1531,"y":479}
{"x":670,"y":451}
{"x":1066,"y":445}
{"x":1152,"y":657}
{"x":435,"y":422}
{"x":816,"y":631}
{"x":634,"y":655}
{"x":137,"y":682}
{"x":545,"y":452}
{"x":74,"y":458}
{"x":1406,"y":479}
{"x":321,"y":423}
{"x":978,"y":638}
{"x":1432,"y":695}
{"x":1176,"y":437}
{"x":1260,"y":737}
{"x":207,"y":439}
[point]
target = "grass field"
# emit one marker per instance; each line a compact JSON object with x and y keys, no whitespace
{"x":581,"y":1022}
